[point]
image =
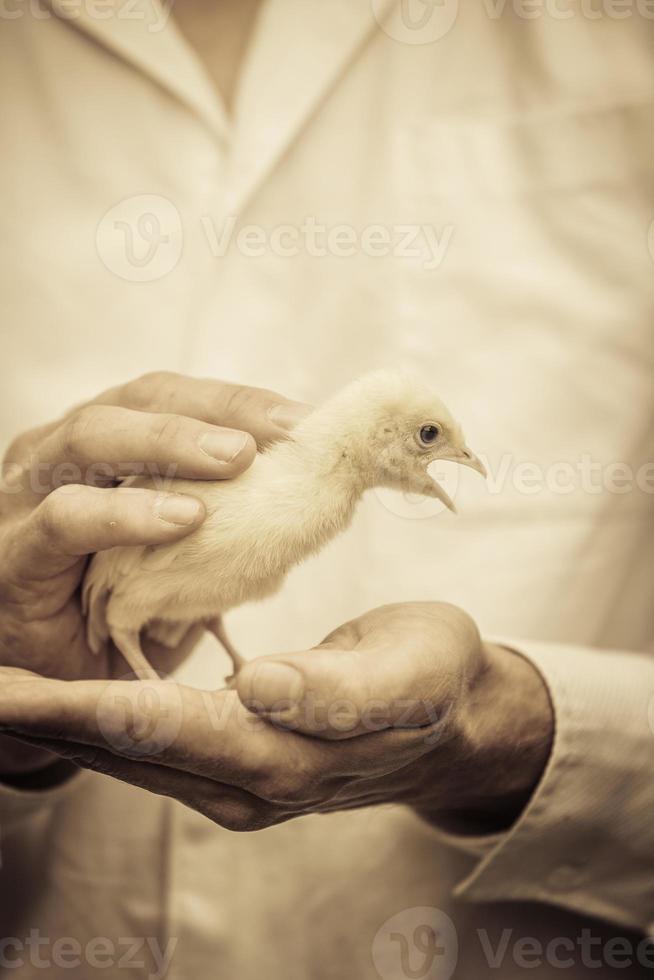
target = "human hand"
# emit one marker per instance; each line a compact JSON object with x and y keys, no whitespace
{"x":59,"y":503}
{"x":404,"y":704}
{"x":474,"y":718}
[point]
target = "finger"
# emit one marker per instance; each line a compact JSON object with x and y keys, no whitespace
{"x":265,"y":414}
{"x":101,"y":443}
{"x":397,"y":674}
{"x":24,"y":444}
{"x":179,"y":728}
{"x":75,"y":521}
{"x":156,"y":721}
{"x":226,"y":805}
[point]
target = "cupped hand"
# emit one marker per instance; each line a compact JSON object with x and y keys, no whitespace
{"x":60,"y":502}
{"x":403,"y":705}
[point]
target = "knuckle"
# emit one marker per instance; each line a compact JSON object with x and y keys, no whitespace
{"x":290,"y":786}
{"x":166,"y":429}
{"x":12,"y":631}
{"x":287,"y":789}
{"x":50,"y":514}
{"x":344,"y":635}
{"x":239,"y":401}
{"x":75,"y":430}
{"x":242,"y":816}
{"x":459,"y":622}
{"x":149,"y":390}
{"x":54,"y":512}
{"x":256,"y":768}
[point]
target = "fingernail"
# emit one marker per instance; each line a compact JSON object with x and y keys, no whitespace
{"x":274,"y":685}
{"x":289,"y":414}
{"x":175,"y":508}
{"x":223,"y":446}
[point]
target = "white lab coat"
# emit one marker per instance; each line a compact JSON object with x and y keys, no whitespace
{"x":495,"y":183}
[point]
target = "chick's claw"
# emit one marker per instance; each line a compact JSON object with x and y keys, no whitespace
{"x":217,"y":628}
{"x":129,"y":644}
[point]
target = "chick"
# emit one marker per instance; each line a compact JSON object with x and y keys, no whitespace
{"x":380,"y":431}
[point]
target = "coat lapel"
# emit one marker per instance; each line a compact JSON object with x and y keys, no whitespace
{"x":149,"y":40}
{"x":299,"y":50}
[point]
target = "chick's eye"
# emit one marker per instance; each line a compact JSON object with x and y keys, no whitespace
{"x":429,"y":434}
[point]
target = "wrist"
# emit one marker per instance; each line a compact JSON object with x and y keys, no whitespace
{"x":510,"y":727}
{"x":504,"y":736}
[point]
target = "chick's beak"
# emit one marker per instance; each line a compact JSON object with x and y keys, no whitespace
{"x":467,"y":458}
{"x":443,"y":496}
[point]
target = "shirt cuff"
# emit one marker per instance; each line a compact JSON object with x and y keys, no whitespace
{"x":586,"y":839}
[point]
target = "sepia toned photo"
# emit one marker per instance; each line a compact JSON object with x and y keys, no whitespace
{"x":327,"y":489}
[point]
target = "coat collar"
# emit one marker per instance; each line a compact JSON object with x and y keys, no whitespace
{"x":143,"y":33}
{"x":298,"y":51}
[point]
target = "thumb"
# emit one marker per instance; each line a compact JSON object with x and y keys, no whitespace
{"x":398,"y":675}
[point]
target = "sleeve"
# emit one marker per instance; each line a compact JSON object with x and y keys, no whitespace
{"x":586,"y":838}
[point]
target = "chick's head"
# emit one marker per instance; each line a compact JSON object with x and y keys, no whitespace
{"x":390,"y":426}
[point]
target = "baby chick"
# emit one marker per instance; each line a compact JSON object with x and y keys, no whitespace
{"x":380,"y":431}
